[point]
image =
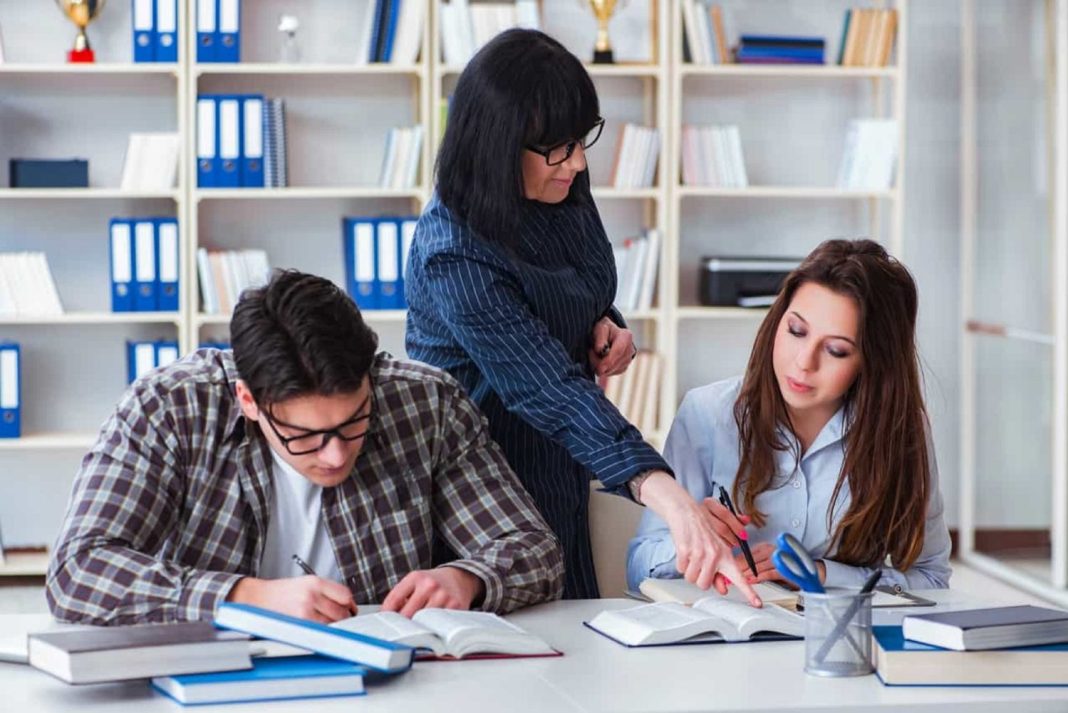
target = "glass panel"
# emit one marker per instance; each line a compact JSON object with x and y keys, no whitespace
{"x":1013,"y":288}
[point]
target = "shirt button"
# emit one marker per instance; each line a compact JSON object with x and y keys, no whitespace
{"x":797,"y":482}
{"x":796,"y":523}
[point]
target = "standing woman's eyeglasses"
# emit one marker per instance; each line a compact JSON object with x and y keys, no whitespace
{"x":555,"y":155}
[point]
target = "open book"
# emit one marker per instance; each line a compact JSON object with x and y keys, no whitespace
{"x":709,"y":620}
{"x":679,"y":590}
{"x":450,"y":633}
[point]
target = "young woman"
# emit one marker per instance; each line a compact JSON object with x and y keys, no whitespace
{"x":510,"y":284}
{"x":826,"y":437}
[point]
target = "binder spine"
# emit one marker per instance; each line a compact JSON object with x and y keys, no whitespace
{"x":10,"y":390}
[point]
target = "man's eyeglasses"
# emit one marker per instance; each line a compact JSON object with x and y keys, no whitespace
{"x":556,"y":155}
{"x":311,"y":441}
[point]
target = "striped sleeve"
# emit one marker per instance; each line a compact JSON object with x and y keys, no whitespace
{"x":482,"y":303}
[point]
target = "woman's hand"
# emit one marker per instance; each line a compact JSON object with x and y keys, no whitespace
{"x":701,"y":555}
{"x":613,"y":348}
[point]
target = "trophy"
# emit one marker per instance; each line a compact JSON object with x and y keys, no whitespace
{"x":81,"y":13}
{"x":602,"y":50}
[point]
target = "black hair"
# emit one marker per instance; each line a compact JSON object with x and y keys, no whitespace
{"x":523,"y":88}
{"x":300,"y":334}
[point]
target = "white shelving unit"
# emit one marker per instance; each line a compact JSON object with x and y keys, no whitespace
{"x":338,"y":114}
{"x":713,"y":85}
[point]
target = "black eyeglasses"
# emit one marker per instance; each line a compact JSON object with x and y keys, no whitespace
{"x":311,"y":441}
{"x":556,"y":155}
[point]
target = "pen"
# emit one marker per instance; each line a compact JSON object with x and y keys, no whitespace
{"x":304,"y":566}
{"x":725,"y":501}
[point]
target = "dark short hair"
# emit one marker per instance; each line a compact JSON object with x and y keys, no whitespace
{"x":523,"y":88}
{"x":298,"y":335}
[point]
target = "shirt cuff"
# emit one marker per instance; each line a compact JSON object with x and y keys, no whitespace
{"x":202,"y":594}
{"x":843,"y":575}
{"x":616,"y":316}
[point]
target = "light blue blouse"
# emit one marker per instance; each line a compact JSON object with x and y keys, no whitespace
{"x":702,"y":447}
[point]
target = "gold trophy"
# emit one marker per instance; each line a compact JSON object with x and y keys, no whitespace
{"x":602,"y":50}
{"x":81,"y":13}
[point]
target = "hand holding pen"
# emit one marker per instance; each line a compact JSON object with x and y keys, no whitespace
{"x":729,"y":525}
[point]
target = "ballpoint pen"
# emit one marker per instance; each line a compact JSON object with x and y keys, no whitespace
{"x":304,"y":566}
{"x":725,"y":501}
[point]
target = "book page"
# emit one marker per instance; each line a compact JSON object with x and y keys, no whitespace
{"x":391,"y":626}
{"x":748,"y":620}
{"x":664,"y":622}
{"x":466,"y":632}
{"x":679,"y":590}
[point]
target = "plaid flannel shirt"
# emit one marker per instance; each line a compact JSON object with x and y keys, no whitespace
{"x":169,"y":509}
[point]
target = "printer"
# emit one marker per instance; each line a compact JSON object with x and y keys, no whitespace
{"x":743,"y":281}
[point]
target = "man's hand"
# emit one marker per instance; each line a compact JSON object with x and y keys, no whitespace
{"x":701,"y":555}
{"x":443,"y":587}
{"x":308,"y":597}
{"x":612,"y":348}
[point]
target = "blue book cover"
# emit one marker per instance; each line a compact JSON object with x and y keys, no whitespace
{"x":391,"y":30}
{"x":10,"y":390}
{"x":782,"y":40}
{"x":384,"y":656}
{"x":207,"y":34}
{"x":120,"y":250}
{"x":281,"y":678}
{"x":901,"y":662}
{"x":792,"y":53}
{"x":144,"y":30}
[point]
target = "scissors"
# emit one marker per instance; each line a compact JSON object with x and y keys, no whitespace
{"x":795,"y":563}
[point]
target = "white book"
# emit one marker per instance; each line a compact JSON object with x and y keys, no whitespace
{"x":640,"y":247}
{"x":737,"y":160}
{"x":653,"y":154}
{"x":724,"y":164}
{"x":626,"y":392}
{"x":151,"y":162}
{"x":409,"y":38}
{"x":449,"y":632}
{"x":464,"y":30}
{"x":635,"y":410}
{"x":8,"y":306}
{"x":363,"y":38}
{"x":385,"y":178}
{"x":693,"y":36}
{"x":704,"y":32}
{"x":402,"y":147}
{"x":624,"y":274}
{"x":218,"y":278}
{"x":683,"y":592}
{"x":708,"y":620}
{"x":712,"y":172}
{"x":50,"y":301}
{"x":451,"y":50}
{"x":849,"y":152}
{"x":411,"y":175}
{"x":209,"y":300}
{"x":651,"y":263}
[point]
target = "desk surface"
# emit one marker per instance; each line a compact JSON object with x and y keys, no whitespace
{"x":595,"y":674}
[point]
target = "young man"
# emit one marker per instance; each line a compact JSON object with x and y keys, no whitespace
{"x":301,"y":473}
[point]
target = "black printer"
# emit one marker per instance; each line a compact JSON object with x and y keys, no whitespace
{"x":743,"y":281}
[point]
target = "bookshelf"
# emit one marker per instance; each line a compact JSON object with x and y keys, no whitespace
{"x":338,"y":114}
{"x":791,"y":169}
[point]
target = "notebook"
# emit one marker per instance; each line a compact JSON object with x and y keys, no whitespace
{"x":709,"y":620}
{"x":900,"y":662}
{"x":451,"y":634}
{"x":268,"y":679}
{"x":990,"y":628}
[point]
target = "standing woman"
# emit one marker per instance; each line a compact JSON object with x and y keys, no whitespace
{"x":510,"y":284}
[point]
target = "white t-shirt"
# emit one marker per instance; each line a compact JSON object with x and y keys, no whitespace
{"x":296,"y":527}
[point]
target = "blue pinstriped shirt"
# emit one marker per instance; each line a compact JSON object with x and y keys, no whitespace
{"x":514,"y":328}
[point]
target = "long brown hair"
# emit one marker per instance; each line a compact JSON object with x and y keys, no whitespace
{"x":886,"y":460}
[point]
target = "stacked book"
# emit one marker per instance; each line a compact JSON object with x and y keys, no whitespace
{"x":867,"y":37}
{"x":196,"y":662}
{"x":996,"y":646}
{"x":777,"y":49}
{"x":225,"y":274}
{"x":636,"y":264}
{"x":466,"y":26}
{"x":705,"y":34}
{"x":392,"y":31}
{"x":636,"y":156}
{"x":275,"y":171}
{"x":26,"y":286}
{"x":712,"y":156}
{"x":151,"y":162}
{"x":400,"y":163}
{"x":144,"y":356}
{"x":870,"y":157}
{"x":636,"y":392}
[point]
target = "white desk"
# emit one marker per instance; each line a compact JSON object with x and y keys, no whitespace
{"x":595,"y":674}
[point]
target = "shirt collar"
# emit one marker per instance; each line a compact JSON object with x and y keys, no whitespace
{"x":832,"y":433}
